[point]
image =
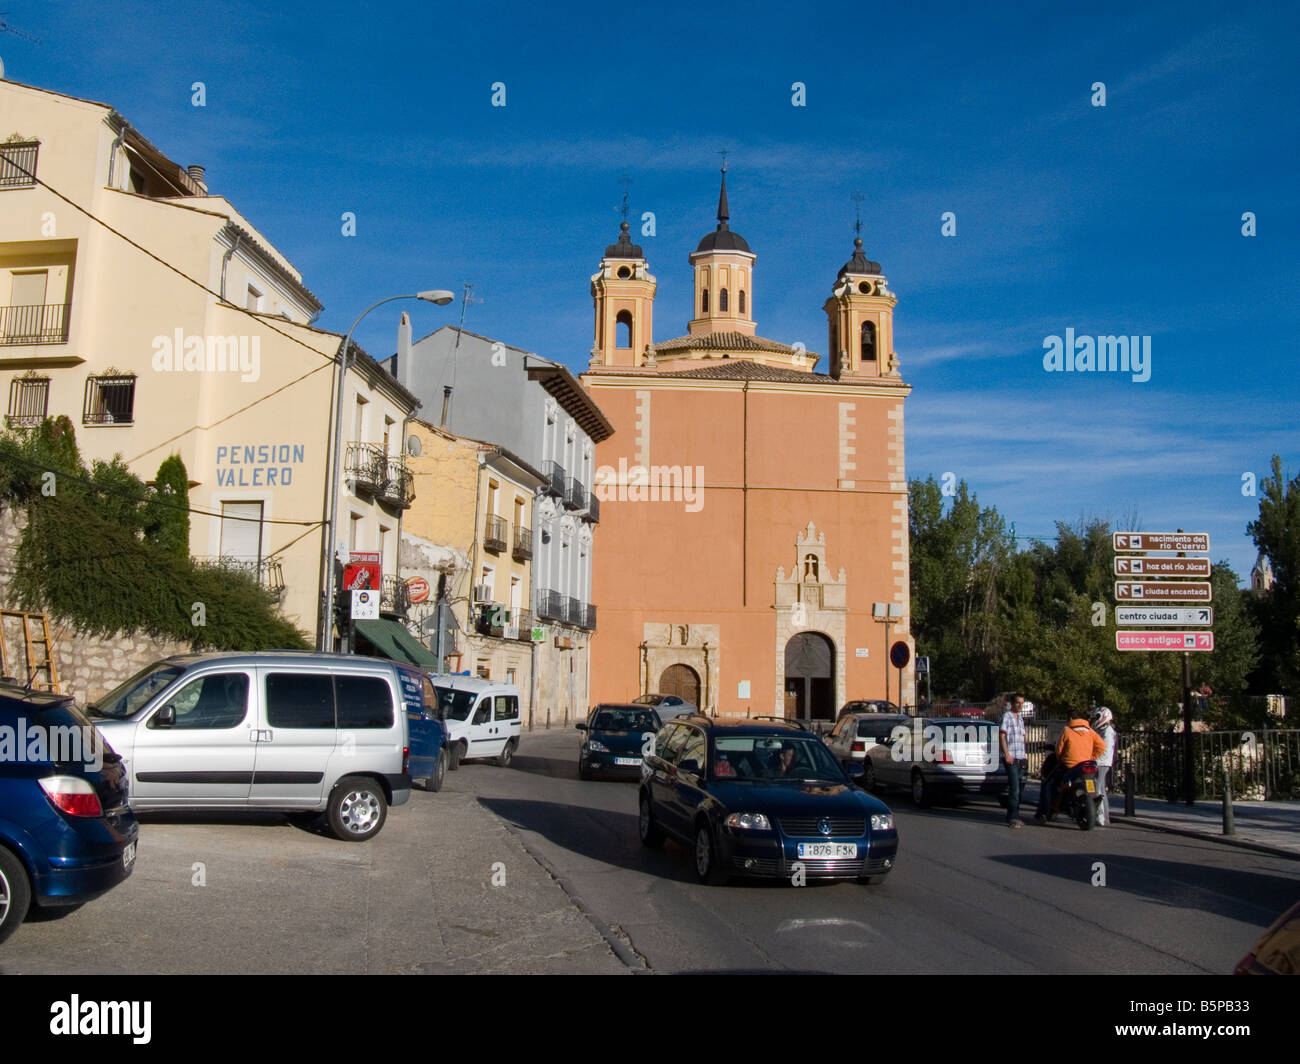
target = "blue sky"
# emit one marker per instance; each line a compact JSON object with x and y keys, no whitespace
{"x":1123,"y":219}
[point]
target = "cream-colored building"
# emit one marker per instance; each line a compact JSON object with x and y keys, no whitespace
{"x":469,"y":536}
{"x":153,"y":314}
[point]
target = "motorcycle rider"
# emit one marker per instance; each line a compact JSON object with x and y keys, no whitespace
{"x":1102,"y":724}
{"x":1078,"y":742}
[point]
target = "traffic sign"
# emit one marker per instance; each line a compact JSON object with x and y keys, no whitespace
{"x":1195,"y":541}
{"x":1180,"y":641}
{"x":900,"y":654}
{"x":1172,"y":615}
{"x":365,"y":605}
{"x":1129,"y":566}
{"x":1178,"y":591}
{"x":922,"y":664}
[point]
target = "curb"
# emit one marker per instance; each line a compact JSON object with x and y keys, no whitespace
{"x":1226,"y":840}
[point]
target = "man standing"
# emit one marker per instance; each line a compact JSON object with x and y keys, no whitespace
{"x":1102,"y":724}
{"x":1014,"y":757}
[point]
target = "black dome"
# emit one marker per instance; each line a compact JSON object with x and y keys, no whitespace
{"x":859,"y":263}
{"x":624,"y":249}
{"x":723,"y":239}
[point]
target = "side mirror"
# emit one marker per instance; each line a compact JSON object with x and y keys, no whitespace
{"x":165,"y":717}
{"x":581,"y":727}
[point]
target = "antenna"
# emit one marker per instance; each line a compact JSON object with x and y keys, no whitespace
{"x":857,"y":225}
{"x":6,"y":28}
{"x":625,"y":181}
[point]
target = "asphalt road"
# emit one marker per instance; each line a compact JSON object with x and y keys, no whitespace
{"x":528,"y":869}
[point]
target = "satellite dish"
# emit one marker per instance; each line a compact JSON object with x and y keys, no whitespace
{"x":413,"y":446}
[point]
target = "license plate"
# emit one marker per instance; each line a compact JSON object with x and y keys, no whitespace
{"x":128,"y":855}
{"x":832,"y":850}
{"x":1091,"y":785}
{"x":627,"y":761}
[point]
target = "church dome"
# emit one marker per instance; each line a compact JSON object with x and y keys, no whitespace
{"x":722,"y":238}
{"x":624,"y":249}
{"x":859,"y":264}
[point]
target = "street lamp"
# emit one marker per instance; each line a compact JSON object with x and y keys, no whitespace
{"x":889,"y":613}
{"x":439,"y":297}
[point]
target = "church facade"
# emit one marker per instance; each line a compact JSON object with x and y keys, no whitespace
{"x":754,"y":529}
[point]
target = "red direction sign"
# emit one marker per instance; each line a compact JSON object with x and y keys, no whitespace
{"x":1179,"y":591}
{"x":1128,"y":566}
{"x":1181,"y":641}
{"x":1195,"y":541}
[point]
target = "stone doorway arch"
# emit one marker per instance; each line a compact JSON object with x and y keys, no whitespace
{"x":682,"y":681}
{"x":810,"y":676}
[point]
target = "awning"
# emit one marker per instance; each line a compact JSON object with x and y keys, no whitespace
{"x":395,"y":642}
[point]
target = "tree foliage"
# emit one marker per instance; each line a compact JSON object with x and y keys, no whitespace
{"x":1276,"y":533}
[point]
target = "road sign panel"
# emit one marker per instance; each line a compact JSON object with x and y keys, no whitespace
{"x":1197,"y":541}
{"x":1175,"y":591}
{"x":1164,"y":641}
{"x":1171,"y":615}
{"x":1129,"y":566}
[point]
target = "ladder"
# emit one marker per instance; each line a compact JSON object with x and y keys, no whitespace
{"x":38,"y":649}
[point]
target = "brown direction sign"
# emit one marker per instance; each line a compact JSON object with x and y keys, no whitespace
{"x":1180,"y":591}
{"x":1197,"y":541}
{"x":1127,"y":566}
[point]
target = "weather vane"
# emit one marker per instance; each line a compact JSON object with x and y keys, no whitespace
{"x":857,"y":225}
{"x":724,"y":153}
{"x":625,"y":181}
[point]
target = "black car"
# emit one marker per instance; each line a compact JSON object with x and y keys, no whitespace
{"x":761,"y":800}
{"x":616,"y":738}
{"x":867,"y":705}
{"x":67,"y":834}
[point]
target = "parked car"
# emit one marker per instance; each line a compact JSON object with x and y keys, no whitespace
{"x":67,"y":834}
{"x":857,"y":733}
{"x":615,"y":739}
{"x":1277,"y":951}
{"x":868,"y":705}
{"x":481,"y":717}
{"x":943,"y":756}
{"x":667,"y":706}
{"x":294,"y":732}
{"x":760,"y":800}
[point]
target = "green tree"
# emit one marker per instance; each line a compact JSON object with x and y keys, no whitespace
{"x":1276,"y":533}
{"x":167,"y":524}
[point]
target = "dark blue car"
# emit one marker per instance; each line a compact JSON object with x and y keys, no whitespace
{"x":617,"y":736}
{"x":67,"y":834}
{"x":761,"y":800}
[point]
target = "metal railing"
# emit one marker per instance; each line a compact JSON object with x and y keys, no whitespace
{"x":575,"y":494}
{"x":380,"y":475}
{"x":593,"y":509}
{"x":556,"y":478}
{"x":588,"y":617}
{"x":40,"y":323}
{"x":495,"y":534}
{"x":523,"y":548}
{"x":550,"y":605}
{"x":395,"y":596}
{"x":18,"y":164}
{"x":1263,"y":764}
{"x":268,"y":572}
{"x":573,"y":611}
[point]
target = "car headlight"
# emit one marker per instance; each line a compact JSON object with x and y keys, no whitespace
{"x":882,"y":821}
{"x":596,"y":747}
{"x":754,"y":821}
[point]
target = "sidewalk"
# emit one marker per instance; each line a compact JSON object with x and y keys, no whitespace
{"x":1273,"y":827}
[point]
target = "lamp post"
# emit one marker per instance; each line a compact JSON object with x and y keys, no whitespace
{"x":439,"y":297}
{"x":889,"y":613}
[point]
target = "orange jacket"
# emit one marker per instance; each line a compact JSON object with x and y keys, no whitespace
{"x":1078,"y":742}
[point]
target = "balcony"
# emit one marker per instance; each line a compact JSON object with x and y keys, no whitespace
{"x":588,"y":617}
{"x":575,"y":494}
{"x":572,"y":611}
{"x":496,"y":620}
{"x":593,"y":509}
{"x":550,"y":606}
{"x":394,"y":596}
{"x":398,"y":488}
{"x":366,"y":467}
{"x":266,"y":571}
{"x":523,"y":548}
{"x":18,"y":164}
{"x":556,"y":478}
{"x":41,"y":323}
{"x":495,"y":534}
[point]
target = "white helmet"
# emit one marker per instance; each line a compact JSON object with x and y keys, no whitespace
{"x":1101,"y":717}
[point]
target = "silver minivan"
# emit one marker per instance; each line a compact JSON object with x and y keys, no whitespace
{"x":296,"y":732}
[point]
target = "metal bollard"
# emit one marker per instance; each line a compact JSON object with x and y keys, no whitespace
{"x":1229,"y":828}
{"x":1130,"y":807}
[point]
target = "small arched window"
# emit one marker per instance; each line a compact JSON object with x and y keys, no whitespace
{"x":868,"y":341}
{"x":623,"y":327}
{"x":704,"y":301}
{"x":742,"y":301}
{"x":722,"y":301}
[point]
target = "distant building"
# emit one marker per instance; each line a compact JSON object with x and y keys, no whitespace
{"x":754,"y":510}
{"x":1261,"y":576}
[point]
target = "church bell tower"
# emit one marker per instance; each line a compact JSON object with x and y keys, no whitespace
{"x":860,"y":316}
{"x":624,"y":294}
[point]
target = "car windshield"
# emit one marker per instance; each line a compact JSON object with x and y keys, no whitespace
{"x":454,"y":705}
{"x":623,"y":720}
{"x":767,"y":758}
{"x":879,"y":730}
{"x":124,"y":700}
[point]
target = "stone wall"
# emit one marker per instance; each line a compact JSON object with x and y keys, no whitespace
{"x":87,"y":666}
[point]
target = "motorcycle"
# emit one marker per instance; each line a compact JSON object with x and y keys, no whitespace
{"x":1077,"y":794}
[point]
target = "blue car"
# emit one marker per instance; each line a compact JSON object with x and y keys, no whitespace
{"x":617,"y":737}
{"x":67,"y":834}
{"x":761,"y":800}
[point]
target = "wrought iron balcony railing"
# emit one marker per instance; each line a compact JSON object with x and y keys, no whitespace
{"x":395,"y":596}
{"x":523,"y":549}
{"x":575,"y":494}
{"x":593,"y":509}
{"x":494,"y":534}
{"x":556,"y":478}
{"x":366,"y":467}
{"x":40,"y":323}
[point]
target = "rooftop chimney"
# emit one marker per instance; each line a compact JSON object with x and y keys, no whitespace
{"x":196,"y":175}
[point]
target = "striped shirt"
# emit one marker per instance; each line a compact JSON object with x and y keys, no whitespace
{"x":1013,"y":727}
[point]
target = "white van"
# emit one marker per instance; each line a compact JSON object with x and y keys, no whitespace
{"x":481,"y":718}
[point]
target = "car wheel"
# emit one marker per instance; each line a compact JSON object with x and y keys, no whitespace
{"x":439,"y":771}
{"x":357,"y":808}
{"x":920,"y":792}
{"x":868,"y":776}
{"x":708,"y":867}
{"x":454,"y":756}
{"x":652,"y":835}
{"x":503,"y":758}
{"x":584,"y":769}
{"x":15,"y":893}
